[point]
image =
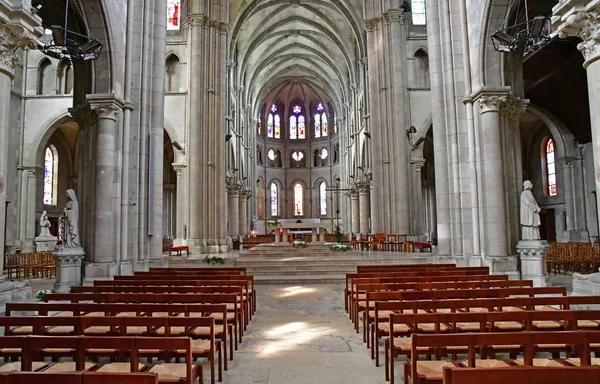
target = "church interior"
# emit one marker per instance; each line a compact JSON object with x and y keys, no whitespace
{"x":189,"y":180}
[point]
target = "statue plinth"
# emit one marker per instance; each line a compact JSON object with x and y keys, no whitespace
{"x":533,"y":255}
{"x":68,"y":267}
{"x":45,"y":243}
{"x":586,"y":285}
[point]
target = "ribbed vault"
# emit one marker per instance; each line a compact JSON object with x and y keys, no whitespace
{"x":290,"y":49}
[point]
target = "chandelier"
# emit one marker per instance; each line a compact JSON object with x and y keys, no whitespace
{"x":67,"y":44}
{"x":524,"y":37}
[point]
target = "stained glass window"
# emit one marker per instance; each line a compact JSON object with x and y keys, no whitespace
{"x":270,"y":125}
{"x":317,"y":125}
{"x":293,"y":127}
{"x":324,"y":153}
{"x":551,"y":168}
{"x":320,"y":107}
{"x":274,"y":108}
{"x":298,"y":209}
{"x":418,"y":12}
{"x":274,"y":210}
{"x":323,"y":198}
{"x":50,"y":168}
{"x":173,"y":12}
{"x":258,"y":126}
{"x":277,"y":127}
{"x":335,"y":124}
{"x":301,"y":128}
{"x":323,"y":125}
{"x":297,"y":109}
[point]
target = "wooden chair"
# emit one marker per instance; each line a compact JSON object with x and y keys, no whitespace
{"x":522,"y":375}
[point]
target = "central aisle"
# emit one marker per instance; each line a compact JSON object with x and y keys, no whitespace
{"x":301,"y":334}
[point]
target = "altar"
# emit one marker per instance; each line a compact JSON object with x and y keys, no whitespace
{"x":281,"y":237}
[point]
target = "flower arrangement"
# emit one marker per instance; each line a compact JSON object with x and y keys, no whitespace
{"x":214,"y":260}
{"x":40,"y":294}
{"x":299,"y":244}
{"x":341,"y":248}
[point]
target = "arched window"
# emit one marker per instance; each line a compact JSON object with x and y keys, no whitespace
{"x":293,"y":128}
{"x":50,"y":175}
{"x":173,"y":14}
{"x":271,"y":155}
{"x":418,"y":12}
{"x":65,"y":77}
{"x":323,"y":198}
{"x":274,"y":199}
{"x":335,"y":127}
{"x":298,"y":199}
{"x":258,"y":126}
{"x":172,"y":74}
{"x":421,"y":69}
{"x":277,"y":127}
{"x":298,"y":157}
{"x":301,"y":128}
{"x":318,"y":125}
{"x":45,"y":78}
{"x":323,"y":125}
{"x":551,"y":167}
{"x":320,"y":122}
{"x":270,"y":125}
{"x":260,"y":197}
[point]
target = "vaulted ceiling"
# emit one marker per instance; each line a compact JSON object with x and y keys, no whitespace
{"x":284,"y":49}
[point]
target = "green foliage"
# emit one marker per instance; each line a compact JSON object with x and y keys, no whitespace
{"x":341,"y":248}
{"x":299,"y":244}
{"x":40,"y":294}
{"x":337,"y":231}
{"x":272,"y":224}
{"x":215,"y":260}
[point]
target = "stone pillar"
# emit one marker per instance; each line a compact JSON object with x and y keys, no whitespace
{"x":364,"y":196}
{"x":497,"y":238}
{"x":355,"y":211}
{"x":207,"y":43}
{"x":386,"y":31}
{"x":243,"y":212}
{"x":233,"y":206}
{"x":32,"y":181}
{"x":102,"y":244}
{"x":582,"y":20}
{"x":180,"y":228}
{"x":418,"y":205}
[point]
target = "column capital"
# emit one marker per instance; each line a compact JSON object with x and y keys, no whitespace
{"x":178,"y":168}
{"x":580,"y":19}
{"x":105,"y":106}
{"x":418,"y":163}
{"x":396,"y":16}
{"x":233,"y":189}
{"x":196,"y":20}
{"x":372,"y":24}
{"x":513,"y":107}
{"x":12,"y":37}
{"x":363,"y":188}
{"x":567,"y":161}
{"x":490,"y":99}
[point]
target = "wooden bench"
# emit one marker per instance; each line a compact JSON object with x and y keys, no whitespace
{"x":478,"y":343}
{"x":522,"y":375}
{"x":88,"y":377}
{"x":35,"y":348}
{"x":178,"y":249}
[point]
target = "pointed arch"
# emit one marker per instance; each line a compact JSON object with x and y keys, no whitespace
{"x":298,"y":199}
{"x":50,"y":175}
{"x":172,"y":73}
{"x":323,"y":198}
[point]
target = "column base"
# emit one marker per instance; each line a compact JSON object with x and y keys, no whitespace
{"x":533,"y":255}
{"x":98,"y":271}
{"x":68,"y":268}
{"x":209,"y":245}
{"x":576,"y":235}
{"x":125,"y":267}
{"x":503,"y":265}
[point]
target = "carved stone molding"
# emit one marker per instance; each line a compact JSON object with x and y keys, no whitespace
{"x":581,"y":23}
{"x":178,"y":168}
{"x":491,"y":103}
{"x":396,"y":16}
{"x":372,"y":24}
{"x":12,"y":37}
{"x":109,"y":111}
{"x":513,"y":107}
{"x":196,"y":20}
{"x":105,"y":106}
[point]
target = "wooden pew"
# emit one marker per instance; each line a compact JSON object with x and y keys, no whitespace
{"x":476,"y":343}
{"x":88,"y":377}
{"x":522,"y":375}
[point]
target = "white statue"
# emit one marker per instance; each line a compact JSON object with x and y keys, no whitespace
{"x":71,"y":216}
{"x":45,"y":226}
{"x":530,"y":213}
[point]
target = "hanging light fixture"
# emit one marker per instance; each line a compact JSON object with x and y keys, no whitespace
{"x":67,"y":44}
{"x":524,"y":37}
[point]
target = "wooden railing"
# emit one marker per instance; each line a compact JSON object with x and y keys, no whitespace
{"x":29,"y":265}
{"x":573,"y":257}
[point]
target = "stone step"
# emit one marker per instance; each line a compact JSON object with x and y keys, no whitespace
{"x":300,"y":279}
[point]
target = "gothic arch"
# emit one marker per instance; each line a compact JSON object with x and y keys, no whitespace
{"x":39,"y":146}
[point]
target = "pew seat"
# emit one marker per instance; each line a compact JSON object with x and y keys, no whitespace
{"x":173,"y":372}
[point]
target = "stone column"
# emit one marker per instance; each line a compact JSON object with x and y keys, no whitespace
{"x":207,"y":29}
{"x":364,"y":196}
{"x":582,"y":20}
{"x":32,"y":182}
{"x":497,"y":238}
{"x":566,"y":164}
{"x":101,"y":246}
{"x":355,"y":211}
{"x":180,"y":229}
{"x":233,"y":204}
{"x":243,"y":212}
{"x":11,"y":38}
{"x":419,"y":210}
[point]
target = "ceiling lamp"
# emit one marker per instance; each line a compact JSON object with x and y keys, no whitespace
{"x":525,"y":37}
{"x":66,"y":44}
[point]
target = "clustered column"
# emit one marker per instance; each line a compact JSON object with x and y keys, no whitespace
{"x":364,"y":197}
{"x":180,"y":232}
{"x":354,"y":198}
{"x":243,"y":211}
{"x":233,"y":208}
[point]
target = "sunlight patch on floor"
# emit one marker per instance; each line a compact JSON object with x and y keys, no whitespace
{"x":296,"y":290}
{"x":289,"y":337}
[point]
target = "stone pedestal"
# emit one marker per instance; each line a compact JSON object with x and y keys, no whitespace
{"x":586,"y":285}
{"x":68,"y":268}
{"x":502,"y":265}
{"x":45,"y":244}
{"x":533,"y":254}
